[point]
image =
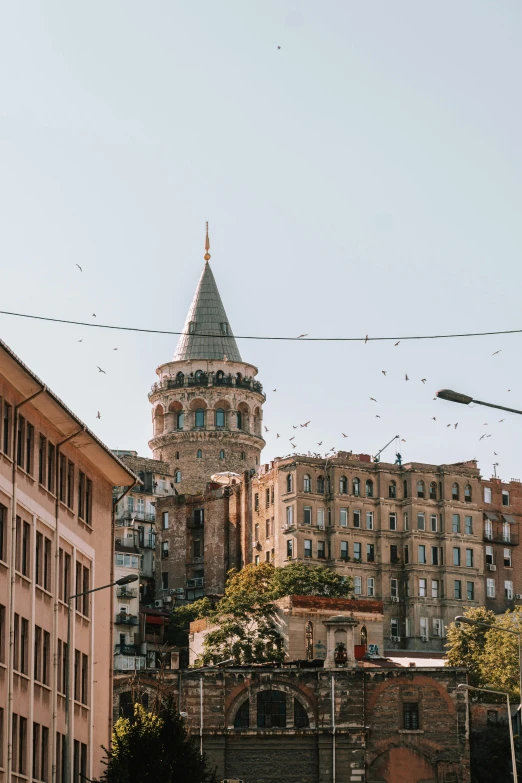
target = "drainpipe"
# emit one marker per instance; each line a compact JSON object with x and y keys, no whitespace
{"x":333,"y":729}
{"x":12,"y":584}
{"x":201,"y":714}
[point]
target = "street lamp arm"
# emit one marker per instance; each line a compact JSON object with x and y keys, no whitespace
{"x":127,"y":581}
{"x":468,"y":621}
{"x":465,"y":399}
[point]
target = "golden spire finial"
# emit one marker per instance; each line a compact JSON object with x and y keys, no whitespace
{"x":207,"y":245}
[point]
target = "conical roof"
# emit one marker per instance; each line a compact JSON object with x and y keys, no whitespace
{"x":207,"y":317}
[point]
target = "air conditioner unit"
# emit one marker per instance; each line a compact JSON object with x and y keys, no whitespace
{"x":491,"y":567}
{"x":395,"y":638}
{"x":158,"y":603}
{"x":394,"y":599}
{"x":320,"y":525}
{"x":254,"y":544}
{"x":168,"y":599}
{"x":519,"y":596}
{"x":180,"y":590}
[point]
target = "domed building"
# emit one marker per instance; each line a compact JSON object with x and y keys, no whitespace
{"x":206,"y":405}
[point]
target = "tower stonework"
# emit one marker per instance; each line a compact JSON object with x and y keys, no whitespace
{"x":206,"y":405}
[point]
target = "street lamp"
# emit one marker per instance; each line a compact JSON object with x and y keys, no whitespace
{"x":469,"y":621}
{"x":465,"y":399}
{"x":465,"y":687}
{"x":125,"y":580}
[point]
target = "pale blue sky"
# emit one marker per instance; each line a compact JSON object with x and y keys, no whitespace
{"x":365,"y":178}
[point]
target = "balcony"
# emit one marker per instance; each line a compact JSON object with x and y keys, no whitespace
{"x":208,"y":379}
{"x":126,"y":517}
{"x":126,"y":649}
{"x":498,"y":538}
{"x":197,"y":582}
{"x":129,"y":663}
{"x":127,"y":592}
{"x":122,"y":618}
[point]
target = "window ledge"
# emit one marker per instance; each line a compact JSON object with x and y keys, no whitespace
{"x":411,"y":731}
{"x":23,"y":577}
{"x":43,"y":685}
{"x":44,"y":590}
{"x":24,"y":472}
{"x":47,"y":491}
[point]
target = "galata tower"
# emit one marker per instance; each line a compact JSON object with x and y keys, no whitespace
{"x":206,"y":405}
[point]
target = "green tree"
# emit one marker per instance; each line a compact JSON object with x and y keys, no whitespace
{"x":466,"y":643}
{"x":245,"y":618}
{"x":154,"y":748}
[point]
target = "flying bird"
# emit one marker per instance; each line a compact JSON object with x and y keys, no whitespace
{"x":292,"y":438}
{"x":500,"y":421}
{"x":294,"y":426}
{"x":402,"y":440}
{"x":98,"y":415}
{"x":266,"y":429}
{"x":302,"y":335}
{"x":456,"y":425}
{"x":373,"y":398}
{"x":80,"y":341}
{"x":278,"y":47}
{"x":344,"y":436}
{"x":278,"y":435}
{"x":448,"y":425}
{"x":79,"y":267}
{"x":377,"y":416}
{"x":100,"y":370}
{"x":114,"y":349}
{"x":320,"y":444}
{"x":305,"y":424}
{"x":274,"y":390}
{"x":94,"y":315}
{"x":495,"y":453}
{"x":434,"y":418}
{"x":406,"y":377}
{"x":423,"y":380}
{"x":384,"y":372}
{"x":396,"y":344}
{"x":495,"y":353}
{"x":367,"y":338}
{"x":294,"y":445}
{"x":482,"y":436}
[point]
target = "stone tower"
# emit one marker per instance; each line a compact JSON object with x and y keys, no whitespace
{"x":206,"y":405}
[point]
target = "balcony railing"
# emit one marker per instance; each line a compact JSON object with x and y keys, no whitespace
{"x":126,"y":649}
{"x":127,"y":592}
{"x":197,"y":582}
{"x":208,"y":379}
{"x":126,"y":619}
{"x":499,"y":538}
{"x":125,"y":517}
{"x":129,"y":663}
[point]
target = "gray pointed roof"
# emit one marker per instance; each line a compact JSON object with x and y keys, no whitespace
{"x":207,"y":316}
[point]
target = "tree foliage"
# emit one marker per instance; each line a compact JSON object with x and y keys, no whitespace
{"x":154,"y":748}
{"x":245,"y":618}
{"x":490,"y":656}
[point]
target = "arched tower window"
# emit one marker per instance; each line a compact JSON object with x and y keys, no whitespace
{"x":369,"y":488}
{"x":239,"y":418}
{"x":307,"y":483}
{"x":200,"y":377}
{"x":180,"y":420}
{"x":356,"y":487}
{"x":290,"y":482}
{"x":220,"y":417}
{"x":301,"y":719}
{"x":320,"y":485}
{"x":271,"y":710}
{"x":177,"y":477}
{"x":199,"y":454}
{"x":392,"y":489}
{"x":364,"y":635}
{"x":433,"y":490}
{"x":467,"y":493}
{"x":455,"y":491}
{"x":180,"y":379}
{"x":200,"y":417}
{"x":219,"y":377}
{"x":309,"y":641}
{"x":420,"y":489}
{"x":343,"y":485}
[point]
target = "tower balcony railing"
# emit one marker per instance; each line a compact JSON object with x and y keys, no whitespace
{"x":124,"y":517}
{"x":208,"y":379}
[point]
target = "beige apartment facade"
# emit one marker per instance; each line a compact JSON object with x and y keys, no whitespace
{"x":409,"y":535}
{"x":56,"y":481}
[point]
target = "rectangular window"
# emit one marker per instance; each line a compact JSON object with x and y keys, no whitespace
{"x":357,"y":551}
{"x":490,"y":588}
{"x":197,"y":548}
{"x":422,"y":554}
{"x":267,"y":497}
{"x":505,"y":497}
{"x":455,"y":523}
{"x":343,"y":517}
{"x":406,"y":554}
{"x":62,"y":478}
{"x":7,"y":429}
{"x":369,"y":520}
{"x":42,"y":459}
{"x":421,"y":522}
{"x":394,"y":588}
{"x":77,"y":675}
{"x":37,"y":668}
{"x":470,"y":591}
{"x":344,"y":550}
{"x":3,"y":531}
{"x":20,"y":442}
{"x":468,"y":525}
{"x":370,"y":553}
{"x":66,"y":576}
{"x":51,"y":451}
{"x":357,"y":519}
{"x":508,"y":590}
{"x":434,"y":588}
{"x":70,"y":484}
{"x":456,"y":556}
{"x":469,"y":558}
{"x":267,"y":528}
{"x":256,"y":501}
{"x":84,"y":680}
{"x":307,"y":515}
{"x":36,"y":751}
{"x":38,"y":559}
{"x":423,"y":590}
{"x":394,"y":553}
{"x":407,"y":627}
{"x":46,"y":658}
{"x":434,"y":555}
{"x":405,"y":520}
{"x":370,"y":587}
{"x":424,"y":628}
{"x":507,"y":558}
{"x":410,"y":716}
{"x":289,"y":516}
{"x":433,"y":523}
{"x":489,"y":555}
{"x":44,"y":756}
{"x":289,"y":548}
{"x":24,"y":646}
{"x":457,"y":588}
{"x":321,"y":550}
{"x":393,"y":521}
{"x":487,"y":494}
{"x":394,"y":627}
{"x":357,"y":585}
{"x":438,"y":627}
{"x":81,"y":495}
{"x":24,"y":547}
{"x":308,"y":547}
{"x":2,"y":634}
{"x":29,"y":448}
{"x":88,"y":502}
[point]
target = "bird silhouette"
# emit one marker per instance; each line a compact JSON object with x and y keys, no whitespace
{"x":294,"y":445}
{"x":305,"y":424}
{"x":495,"y":453}
{"x":278,"y":47}
{"x":434,"y":418}
{"x":274,"y":390}
{"x":485,"y":424}
{"x":384,"y":372}
{"x":482,"y":436}
{"x":396,"y":344}
{"x":373,"y":398}
{"x":100,"y":370}
{"x":278,"y":435}
{"x":406,"y":377}
{"x":500,"y":421}
{"x":423,"y":380}
{"x":79,"y":267}
{"x":377,"y":416}
{"x":292,"y":438}
{"x":302,"y":335}
{"x":402,"y":440}
{"x":80,"y":341}
{"x":456,"y":425}
{"x":266,"y":429}
{"x":295,"y":426}
{"x":367,"y":338}
{"x":94,"y":315}
{"x":114,"y":349}
{"x":320,"y":444}
{"x":495,"y":353}
{"x":98,"y":415}
{"x":344,"y":436}
{"x":448,"y":425}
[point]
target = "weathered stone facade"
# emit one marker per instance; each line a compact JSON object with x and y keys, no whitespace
{"x":503,"y":561}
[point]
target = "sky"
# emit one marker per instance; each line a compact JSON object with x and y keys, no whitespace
{"x":362,"y":179}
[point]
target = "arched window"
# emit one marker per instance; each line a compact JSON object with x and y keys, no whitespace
{"x":420,"y":488}
{"x":455,"y":491}
{"x":177,"y":477}
{"x":177,"y":454}
{"x":301,"y":720}
{"x":200,"y":417}
{"x":219,"y":377}
{"x":356,"y":487}
{"x":392,"y":489}
{"x":239,"y":420}
{"x":220,"y":417}
{"x":242,"y":719}
{"x":199,"y":454}
{"x":180,"y":420}
{"x":467,"y":493}
{"x":243,"y":456}
{"x":239,"y":378}
{"x":199,"y":376}
{"x":271,"y":710}
{"x":309,"y":641}
{"x":320,"y":485}
{"x":433,"y":490}
{"x":405,"y":487}
{"x":180,"y":379}
{"x":290,"y":482}
{"x":221,"y":454}
{"x":343,"y":485}
{"x":364,"y":635}
{"x":307,"y":483}
{"x":369,"y":488}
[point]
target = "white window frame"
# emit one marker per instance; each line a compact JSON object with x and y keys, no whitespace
{"x":421,"y":547}
{"x":393,"y":521}
{"x":488,"y":529}
{"x":433,"y":523}
{"x":490,"y":588}
{"x":468,"y":528}
{"x":508,"y":589}
{"x":310,"y":548}
{"x":395,"y":628}
{"x":421,"y":521}
{"x":423,"y":588}
{"x":320,"y":517}
{"x":343,"y":517}
{"x":435,"y":588}
{"x":506,"y":532}
{"x":165,"y":520}
{"x":507,"y":556}
{"x":370,"y":587}
{"x":394,"y":587}
{"x":438,"y":627}
{"x":469,"y":555}
{"x":489,"y":553}
{"x":424,"y":629}
{"x":487,"y":495}
{"x":357,"y":518}
{"x":307,"y":512}
{"x":405,"y":520}
{"x":357,"y":585}
{"x":369,"y":520}
{"x":505,"y":494}
{"x":289,"y":516}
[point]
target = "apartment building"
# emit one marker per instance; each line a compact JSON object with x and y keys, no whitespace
{"x":56,"y":481}
{"x":502,"y":516}
{"x":409,"y":535}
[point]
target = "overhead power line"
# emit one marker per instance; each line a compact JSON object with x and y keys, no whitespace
{"x":303,"y":339}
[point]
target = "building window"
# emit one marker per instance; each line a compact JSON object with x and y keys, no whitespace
{"x":370,"y":587}
{"x":180,"y":420}
{"x":289,"y":516}
{"x":455,"y":491}
{"x":224,"y":328}
{"x":301,"y":720}
{"x":344,"y":550}
{"x":470,"y":591}
{"x":489,"y":555}
{"x":422,"y":554}
{"x":457,"y":588}
{"x":242,"y":719}
{"x":199,"y":454}
{"x":423,"y":590}
{"x":307,"y":515}
{"x":370,"y":553}
{"x":321,"y":550}
{"x":405,"y":520}
{"x":267,"y":497}
{"x":356,"y":487}
{"x":343,"y":517}
{"x":392,"y":489}
{"x":165,"y":549}
{"x":320,"y":517}
{"x":394,"y":588}
{"x":200,"y":417}
{"x":394,"y":553}
{"x":507,"y":558}
{"x":308,"y":547}
{"x":420,"y":489}
{"x":357,"y":551}
{"x":393,"y":521}
{"x":505,"y":497}
{"x":410,"y":715}
{"x":435,"y":588}
{"x":434,"y":555}
{"x":469,"y":558}
{"x":468,"y":525}
{"x":192,"y":327}
{"x":508,"y":590}
{"x":197,"y":548}
{"x":405,"y":488}
{"x":271,"y":710}
{"x":467,"y":493}
{"x":307,"y":483}
{"x":488,"y":529}
{"x":343,"y":485}
{"x":506,"y":532}
{"x":222,"y":454}
{"x":421,"y":522}
{"x":424,"y":628}
{"x":456,"y":556}
{"x":433,"y":490}
{"x":357,"y":518}
{"x":243,"y":456}
{"x":289,"y":548}
{"x":357,"y":585}
{"x":456,"y":523}
{"x":487,"y":494}
{"x":220,"y":417}
{"x":290,"y":482}
{"x":177,"y":477}
{"x":394,"y":627}
{"x":369,"y":520}
{"x":369,"y":488}
{"x":433,"y":523}
{"x":490,"y":588}
{"x":320,"y":485}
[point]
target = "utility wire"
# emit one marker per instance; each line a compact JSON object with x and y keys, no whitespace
{"x":258,"y":337}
